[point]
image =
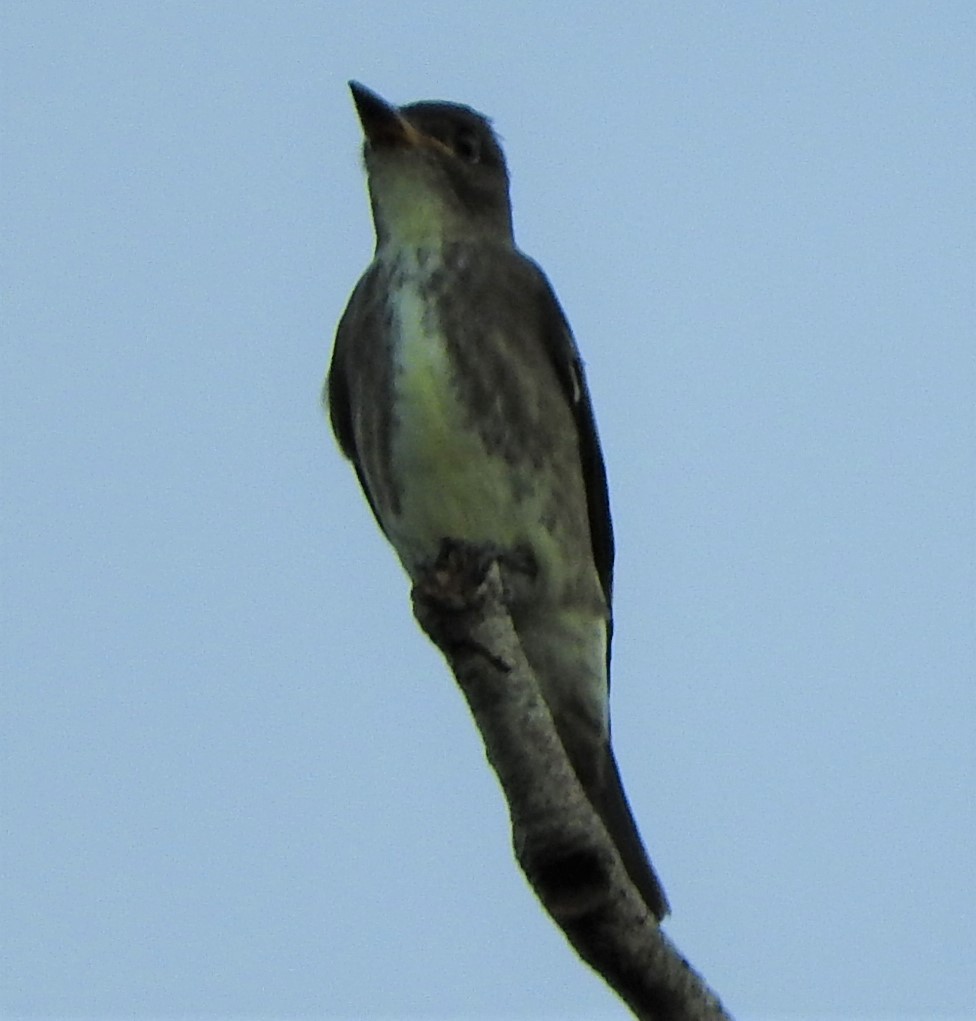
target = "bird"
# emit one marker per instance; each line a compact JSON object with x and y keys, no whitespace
{"x":457,"y":391}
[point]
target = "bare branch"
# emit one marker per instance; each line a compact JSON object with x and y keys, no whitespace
{"x":560,"y":841}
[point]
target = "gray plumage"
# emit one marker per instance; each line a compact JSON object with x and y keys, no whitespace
{"x":458,"y":393}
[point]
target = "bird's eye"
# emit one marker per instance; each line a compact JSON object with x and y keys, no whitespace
{"x":467,"y":145}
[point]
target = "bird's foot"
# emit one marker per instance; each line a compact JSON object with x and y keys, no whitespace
{"x":453,"y":577}
{"x":460,"y":568}
{"x":459,"y":582}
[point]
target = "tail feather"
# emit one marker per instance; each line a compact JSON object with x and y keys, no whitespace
{"x":611,"y":803}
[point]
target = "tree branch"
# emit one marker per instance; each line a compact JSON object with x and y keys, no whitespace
{"x":560,"y":841}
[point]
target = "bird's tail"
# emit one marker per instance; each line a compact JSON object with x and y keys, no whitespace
{"x":611,"y":803}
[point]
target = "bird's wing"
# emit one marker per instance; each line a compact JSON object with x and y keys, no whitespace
{"x":565,"y":358}
{"x":335,"y":392}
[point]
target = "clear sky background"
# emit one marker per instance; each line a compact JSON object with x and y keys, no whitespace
{"x":237,"y":780}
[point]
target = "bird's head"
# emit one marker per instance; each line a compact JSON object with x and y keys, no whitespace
{"x":436,"y":171}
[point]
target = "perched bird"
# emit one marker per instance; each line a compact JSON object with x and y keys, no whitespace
{"x":457,"y":392}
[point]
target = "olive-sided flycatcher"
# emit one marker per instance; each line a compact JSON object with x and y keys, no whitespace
{"x":457,"y":392}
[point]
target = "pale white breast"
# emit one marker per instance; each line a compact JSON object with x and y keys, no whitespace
{"x":450,"y":485}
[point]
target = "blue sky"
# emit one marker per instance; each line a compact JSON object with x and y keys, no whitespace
{"x":237,"y":780}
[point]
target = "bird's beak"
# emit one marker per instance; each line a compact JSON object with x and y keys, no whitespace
{"x":384,"y":126}
{"x":382,"y":123}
